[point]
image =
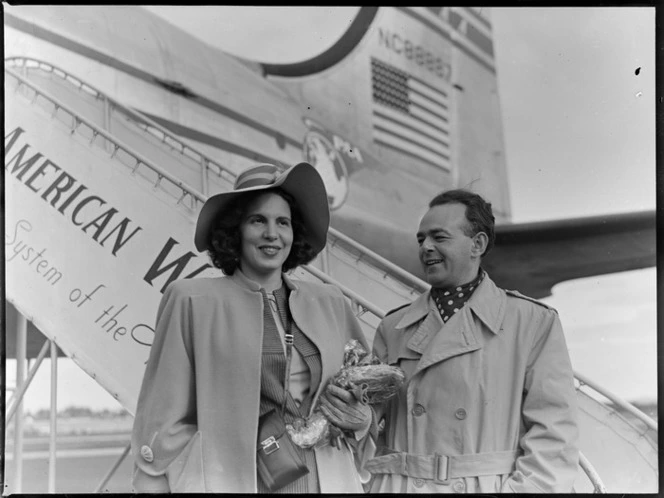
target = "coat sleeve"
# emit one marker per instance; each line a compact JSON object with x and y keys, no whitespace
{"x":379,"y":348}
{"x":362,"y":444}
{"x":165,"y":414}
{"x":549,"y":413}
{"x":352,"y":325}
{"x":367,"y":446}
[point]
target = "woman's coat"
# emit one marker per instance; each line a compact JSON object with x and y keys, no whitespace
{"x":495,"y":378}
{"x":196,"y":420}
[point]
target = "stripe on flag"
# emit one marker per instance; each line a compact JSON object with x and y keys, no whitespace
{"x":409,"y":115}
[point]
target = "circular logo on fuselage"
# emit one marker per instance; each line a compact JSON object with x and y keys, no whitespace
{"x":319,"y":151}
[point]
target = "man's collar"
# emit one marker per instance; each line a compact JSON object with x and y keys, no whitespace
{"x":487,"y":302}
{"x":417,"y":310}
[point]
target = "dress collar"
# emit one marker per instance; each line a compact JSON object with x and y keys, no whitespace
{"x":245,"y":282}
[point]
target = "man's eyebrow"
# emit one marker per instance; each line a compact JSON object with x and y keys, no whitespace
{"x":433,"y":231}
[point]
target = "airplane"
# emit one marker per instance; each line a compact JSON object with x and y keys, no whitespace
{"x":375,"y":158}
{"x":403,"y":106}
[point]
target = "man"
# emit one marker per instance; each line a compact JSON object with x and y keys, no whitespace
{"x":489,"y":404}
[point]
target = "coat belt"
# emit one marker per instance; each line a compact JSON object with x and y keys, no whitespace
{"x":442,"y":468}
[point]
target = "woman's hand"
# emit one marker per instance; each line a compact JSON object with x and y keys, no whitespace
{"x":343,"y":410}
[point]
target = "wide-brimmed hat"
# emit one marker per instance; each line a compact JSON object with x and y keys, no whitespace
{"x":302,"y":181}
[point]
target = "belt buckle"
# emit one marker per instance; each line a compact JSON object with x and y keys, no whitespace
{"x":442,"y":469}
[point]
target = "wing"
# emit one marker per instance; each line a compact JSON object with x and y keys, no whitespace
{"x":530,"y":257}
{"x":533,"y":257}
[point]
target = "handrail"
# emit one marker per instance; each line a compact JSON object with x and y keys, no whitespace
{"x":592,"y":474}
{"x":113,"y":469}
{"x":152,"y":127}
{"x":583,"y":380}
{"x":352,"y":295}
{"x":407,"y":278}
{"x":117,"y":144}
{"x":196,"y":195}
{"x":17,"y":397}
{"x":140,"y":119}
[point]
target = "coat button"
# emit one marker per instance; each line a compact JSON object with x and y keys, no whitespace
{"x":418,"y":483}
{"x":459,"y":487}
{"x":146,"y":453}
{"x":418,"y":410}
{"x":460,"y":414}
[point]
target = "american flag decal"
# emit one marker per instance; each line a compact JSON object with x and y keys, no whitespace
{"x":409,"y":115}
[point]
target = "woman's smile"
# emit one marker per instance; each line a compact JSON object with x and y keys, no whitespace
{"x":269,"y":250}
{"x":267,"y":237}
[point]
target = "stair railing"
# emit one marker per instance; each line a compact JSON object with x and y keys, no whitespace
{"x":167,"y":137}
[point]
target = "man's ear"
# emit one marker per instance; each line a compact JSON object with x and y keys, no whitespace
{"x":480,"y":242}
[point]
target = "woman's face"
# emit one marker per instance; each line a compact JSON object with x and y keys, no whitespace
{"x":266,"y":237}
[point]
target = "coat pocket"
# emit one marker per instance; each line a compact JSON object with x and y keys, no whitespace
{"x":186,"y":473}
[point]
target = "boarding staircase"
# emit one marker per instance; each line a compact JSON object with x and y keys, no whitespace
{"x":159,"y":182}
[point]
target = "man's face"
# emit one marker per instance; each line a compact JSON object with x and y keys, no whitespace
{"x":446,"y":252}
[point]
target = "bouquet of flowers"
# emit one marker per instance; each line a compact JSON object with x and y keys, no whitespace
{"x":363,"y":374}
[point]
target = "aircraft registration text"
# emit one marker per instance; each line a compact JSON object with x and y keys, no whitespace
{"x":415,"y":53}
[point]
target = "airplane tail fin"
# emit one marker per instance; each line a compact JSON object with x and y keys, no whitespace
{"x":418,"y":86}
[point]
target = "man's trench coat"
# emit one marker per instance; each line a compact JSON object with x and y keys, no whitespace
{"x":197,"y":415}
{"x":495,"y":378}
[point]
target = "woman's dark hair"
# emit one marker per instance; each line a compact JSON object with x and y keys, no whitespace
{"x":478,"y":213}
{"x":225,"y":241}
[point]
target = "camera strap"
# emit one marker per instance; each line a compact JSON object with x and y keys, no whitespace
{"x":288,"y":340}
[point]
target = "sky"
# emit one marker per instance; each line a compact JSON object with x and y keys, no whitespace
{"x":579,"y":127}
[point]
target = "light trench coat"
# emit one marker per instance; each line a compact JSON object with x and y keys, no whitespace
{"x":495,"y":378}
{"x":197,"y":415}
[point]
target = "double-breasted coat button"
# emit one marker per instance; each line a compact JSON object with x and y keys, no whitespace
{"x":459,"y":487}
{"x":460,"y":414}
{"x":418,"y":482}
{"x":418,"y":410}
{"x":146,"y":453}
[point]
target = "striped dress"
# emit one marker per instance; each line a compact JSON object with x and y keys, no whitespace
{"x":273,"y":370}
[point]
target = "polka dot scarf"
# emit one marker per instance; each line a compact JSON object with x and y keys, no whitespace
{"x":449,"y":301}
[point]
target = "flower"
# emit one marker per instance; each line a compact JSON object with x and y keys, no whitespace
{"x":363,"y":374}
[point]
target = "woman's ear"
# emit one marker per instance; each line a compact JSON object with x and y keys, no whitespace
{"x":480,"y":242}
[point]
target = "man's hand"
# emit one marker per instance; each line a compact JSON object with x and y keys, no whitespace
{"x":343,"y":410}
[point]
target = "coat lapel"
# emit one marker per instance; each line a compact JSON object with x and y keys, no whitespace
{"x":446,"y":340}
{"x":308,"y":314}
{"x":303,"y":315}
{"x":438,"y":341}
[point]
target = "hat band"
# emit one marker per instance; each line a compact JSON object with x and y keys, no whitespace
{"x":262,"y":175}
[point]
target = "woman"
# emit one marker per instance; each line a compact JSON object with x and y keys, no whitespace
{"x":218,"y":359}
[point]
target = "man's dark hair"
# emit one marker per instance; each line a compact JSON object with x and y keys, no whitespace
{"x":225,"y":242}
{"x":478,"y":213}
